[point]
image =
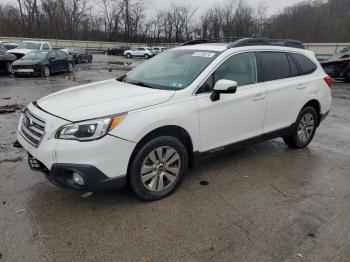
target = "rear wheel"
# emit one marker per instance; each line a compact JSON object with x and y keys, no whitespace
{"x":45,"y":71}
{"x":304,"y":130}
{"x":158,"y":168}
{"x":128,"y":55}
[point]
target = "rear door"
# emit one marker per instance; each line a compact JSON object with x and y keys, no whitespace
{"x":281,"y":78}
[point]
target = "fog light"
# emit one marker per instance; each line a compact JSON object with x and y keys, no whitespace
{"x":78,"y":179}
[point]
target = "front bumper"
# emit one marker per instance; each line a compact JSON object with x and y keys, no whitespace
{"x":102,"y":163}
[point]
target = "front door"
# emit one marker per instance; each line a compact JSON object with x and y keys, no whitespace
{"x":234,"y":117}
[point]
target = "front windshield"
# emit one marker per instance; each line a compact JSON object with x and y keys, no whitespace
{"x":35,"y":55}
{"x":171,"y":70}
{"x":29,"y":45}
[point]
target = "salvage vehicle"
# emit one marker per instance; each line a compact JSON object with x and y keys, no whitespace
{"x":140,"y":52}
{"x":338,"y":66}
{"x":6,"y":61}
{"x":43,"y":63}
{"x":79,"y":54}
{"x":7,"y":45}
{"x":28,"y":46}
{"x":150,"y":126}
{"x":158,"y":49}
{"x":117,"y":51}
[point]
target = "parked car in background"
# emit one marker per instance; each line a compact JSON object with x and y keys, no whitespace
{"x":148,"y":127}
{"x":79,"y":54}
{"x":139,"y":52}
{"x":7,"y":45}
{"x":43,"y":63}
{"x":117,"y":51}
{"x":338,"y":66}
{"x":28,"y":46}
{"x":6,"y":61}
{"x":158,"y":49}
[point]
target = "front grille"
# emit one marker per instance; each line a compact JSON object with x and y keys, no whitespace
{"x":32,"y":128}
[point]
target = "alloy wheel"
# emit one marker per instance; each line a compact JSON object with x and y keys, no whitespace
{"x":160,"y":169}
{"x":306,"y":127}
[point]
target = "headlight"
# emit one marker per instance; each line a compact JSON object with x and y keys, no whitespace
{"x":91,"y":129}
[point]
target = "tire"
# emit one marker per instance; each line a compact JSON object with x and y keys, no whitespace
{"x":45,"y":71}
{"x":9,"y":68}
{"x":128,"y":55}
{"x":70,"y":67}
{"x":90,"y":59}
{"x":146,"y":56}
{"x":347,"y":77}
{"x":305,"y":128}
{"x":152,"y":177}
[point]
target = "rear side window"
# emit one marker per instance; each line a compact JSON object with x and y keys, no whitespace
{"x":294,"y":71}
{"x":305,"y":64}
{"x":274,"y":66}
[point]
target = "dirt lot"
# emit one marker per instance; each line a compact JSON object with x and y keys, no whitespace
{"x":264,"y":203}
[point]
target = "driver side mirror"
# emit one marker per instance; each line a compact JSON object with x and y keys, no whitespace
{"x":223,"y":86}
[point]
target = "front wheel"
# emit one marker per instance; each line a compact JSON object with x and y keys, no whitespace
{"x":70,"y":67}
{"x":128,"y":55}
{"x":146,"y":56}
{"x":305,"y":128}
{"x":45,"y":71}
{"x":158,"y":168}
{"x":9,"y":68}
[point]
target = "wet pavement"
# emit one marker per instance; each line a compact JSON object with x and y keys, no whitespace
{"x":263,"y":203}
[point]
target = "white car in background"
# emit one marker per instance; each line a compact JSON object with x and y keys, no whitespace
{"x":27,"y":46}
{"x":139,"y":52}
{"x":158,"y":49}
{"x":148,"y":127}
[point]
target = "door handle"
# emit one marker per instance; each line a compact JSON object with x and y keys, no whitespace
{"x":301,"y":87}
{"x":259,"y":97}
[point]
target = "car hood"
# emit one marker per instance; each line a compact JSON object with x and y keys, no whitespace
{"x":20,"y":51}
{"x":101,"y":99}
{"x":26,"y":62}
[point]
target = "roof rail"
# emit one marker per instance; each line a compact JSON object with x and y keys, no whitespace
{"x":239,"y":42}
{"x":267,"y":41}
{"x":195,"y":42}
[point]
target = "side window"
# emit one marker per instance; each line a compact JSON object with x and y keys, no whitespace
{"x":294,"y":71}
{"x":306,"y":65}
{"x":240,"y":68}
{"x":274,"y":66}
{"x":46,"y":47}
{"x":61,"y":55}
{"x":52,"y":55}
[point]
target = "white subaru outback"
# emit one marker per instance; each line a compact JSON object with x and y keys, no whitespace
{"x":147,"y":128}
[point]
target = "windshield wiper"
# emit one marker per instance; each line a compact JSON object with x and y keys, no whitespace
{"x":141,"y":84}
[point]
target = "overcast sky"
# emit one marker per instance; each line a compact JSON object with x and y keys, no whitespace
{"x":273,"y":5}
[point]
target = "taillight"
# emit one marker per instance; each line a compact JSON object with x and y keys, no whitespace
{"x":329,"y":81}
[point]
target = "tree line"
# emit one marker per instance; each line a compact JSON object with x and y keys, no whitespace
{"x":133,"y":21}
